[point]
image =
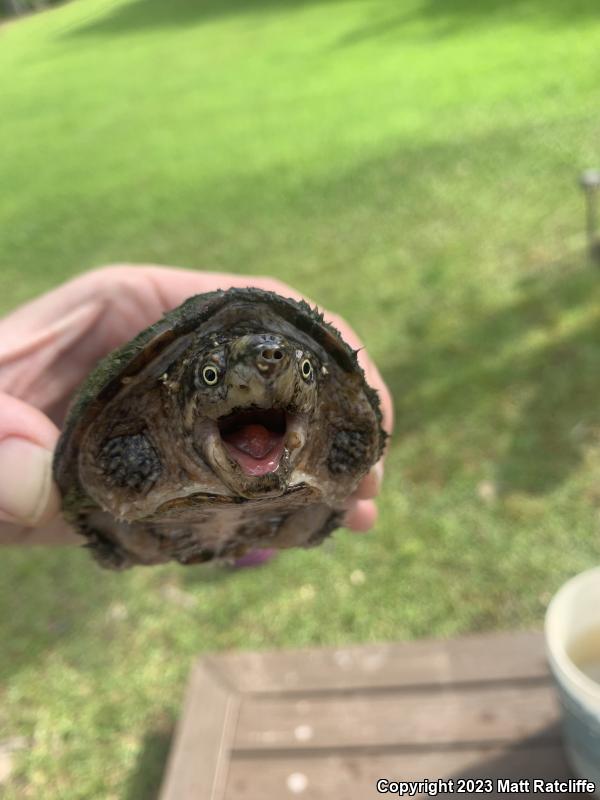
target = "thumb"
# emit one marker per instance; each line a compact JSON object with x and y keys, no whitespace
{"x":28,"y":494}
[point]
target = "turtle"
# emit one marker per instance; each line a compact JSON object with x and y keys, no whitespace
{"x":241,"y":420}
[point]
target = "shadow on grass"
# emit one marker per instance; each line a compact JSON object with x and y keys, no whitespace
{"x":62,"y":597}
{"x":59,"y":602}
{"x":445,"y":16}
{"x":529,"y":372}
{"x":207,"y":575}
{"x":142,"y":15}
{"x":449,"y":17}
{"x":146,"y":780}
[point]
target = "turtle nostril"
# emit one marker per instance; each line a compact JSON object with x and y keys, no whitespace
{"x":272,"y":355}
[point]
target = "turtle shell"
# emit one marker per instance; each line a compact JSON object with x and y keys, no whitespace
{"x":240,"y":420}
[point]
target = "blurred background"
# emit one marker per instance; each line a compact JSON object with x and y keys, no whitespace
{"x":410,"y":164}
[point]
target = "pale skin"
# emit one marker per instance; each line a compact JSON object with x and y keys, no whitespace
{"x":49,"y":345}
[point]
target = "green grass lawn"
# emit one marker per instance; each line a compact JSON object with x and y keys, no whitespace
{"x":411,"y":164}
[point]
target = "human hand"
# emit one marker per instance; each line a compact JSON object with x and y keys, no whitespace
{"x":49,"y":345}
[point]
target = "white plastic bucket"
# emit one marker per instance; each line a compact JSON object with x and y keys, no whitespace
{"x":572,"y":631}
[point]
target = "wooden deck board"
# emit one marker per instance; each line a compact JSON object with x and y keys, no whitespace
{"x":325,"y":722}
{"x":355,"y":776}
{"x":199,"y":758}
{"x":489,"y":657}
{"x":482,"y":715}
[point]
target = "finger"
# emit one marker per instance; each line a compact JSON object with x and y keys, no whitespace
{"x":43,"y":367}
{"x":361,"y":516}
{"x":28,"y":494}
{"x":174,"y":285}
{"x":371,"y":484}
{"x":56,"y":532}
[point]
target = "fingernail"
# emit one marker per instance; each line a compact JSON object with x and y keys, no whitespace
{"x":374,"y":480}
{"x":28,"y":495}
{"x":378,"y":471}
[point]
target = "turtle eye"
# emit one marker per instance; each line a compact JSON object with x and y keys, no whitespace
{"x":210,"y":375}
{"x":306,"y":369}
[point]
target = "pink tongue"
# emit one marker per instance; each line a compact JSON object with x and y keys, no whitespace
{"x":255,"y":440}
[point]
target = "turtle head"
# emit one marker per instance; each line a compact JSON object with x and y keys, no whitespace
{"x":249,"y":400}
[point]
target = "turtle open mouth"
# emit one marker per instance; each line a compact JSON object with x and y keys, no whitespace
{"x":255,"y":438}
